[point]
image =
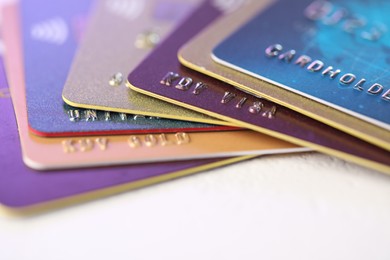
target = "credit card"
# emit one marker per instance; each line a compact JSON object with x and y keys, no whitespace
{"x":59,"y":153}
{"x":51,"y":35}
{"x":98,"y":74}
{"x":333,"y":53}
{"x":21,"y":188}
{"x":181,"y":86}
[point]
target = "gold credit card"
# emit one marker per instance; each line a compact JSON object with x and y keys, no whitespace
{"x":196,"y":55}
{"x":52,"y":153}
{"x":114,"y":43}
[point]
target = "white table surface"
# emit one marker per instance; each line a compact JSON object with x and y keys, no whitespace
{"x":302,"y":207}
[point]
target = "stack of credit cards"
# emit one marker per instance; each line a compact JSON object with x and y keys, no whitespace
{"x":102,"y":96}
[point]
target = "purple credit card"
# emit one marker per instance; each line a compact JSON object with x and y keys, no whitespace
{"x":22,"y":187}
{"x":161,"y":75}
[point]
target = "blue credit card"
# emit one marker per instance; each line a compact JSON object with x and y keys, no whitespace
{"x":334,"y":52}
{"x":51,"y":32}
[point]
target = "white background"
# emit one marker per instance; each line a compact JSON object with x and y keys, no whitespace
{"x":283,"y":207}
{"x":301,"y":207}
